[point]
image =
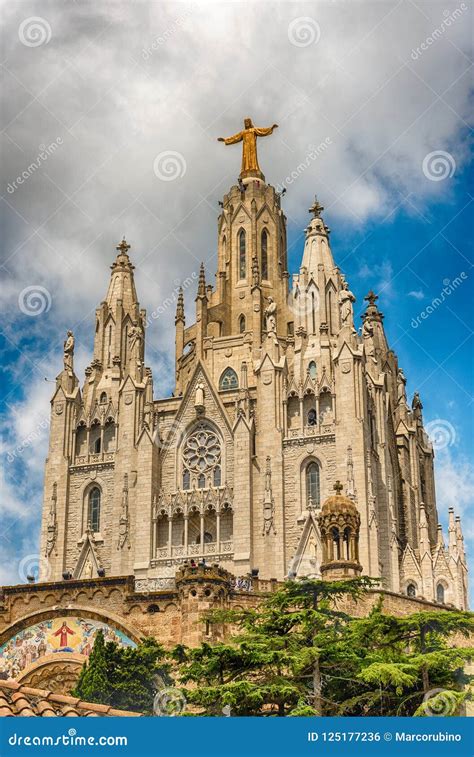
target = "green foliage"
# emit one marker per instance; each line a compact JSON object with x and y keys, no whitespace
{"x":123,"y":677}
{"x":299,"y":653}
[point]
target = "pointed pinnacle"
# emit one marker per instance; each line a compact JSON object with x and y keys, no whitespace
{"x":202,"y":282}
{"x":180,"y":306}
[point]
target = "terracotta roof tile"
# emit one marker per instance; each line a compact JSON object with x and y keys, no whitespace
{"x":24,"y":701}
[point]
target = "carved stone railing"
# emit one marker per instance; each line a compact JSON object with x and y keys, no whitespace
{"x":222,"y":551}
{"x":311,"y":432}
{"x":94,"y":458}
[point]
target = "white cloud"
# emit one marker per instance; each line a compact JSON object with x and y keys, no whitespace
{"x":417,"y":294}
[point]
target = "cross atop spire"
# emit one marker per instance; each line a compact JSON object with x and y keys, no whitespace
{"x":123,"y":247}
{"x":371,"y":298}
{"x":316,"y":208}
{"x":338,"y":487}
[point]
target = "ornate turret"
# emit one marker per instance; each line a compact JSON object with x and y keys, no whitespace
{"x":316,"y":249}
{"x":339,"y":524}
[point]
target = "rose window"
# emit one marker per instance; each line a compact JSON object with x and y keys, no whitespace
{"x":202,"y":451}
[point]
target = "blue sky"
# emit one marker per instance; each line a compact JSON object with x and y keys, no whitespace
{"x":113,"y":87}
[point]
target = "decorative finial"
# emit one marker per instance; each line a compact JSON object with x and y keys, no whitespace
{"x":338,"y":488}
{"x":371,"y":298}
{"x":123,"y":247}
{"x":316,"y":208}
{"x":180,"y":306}
{"x":202,"y":282}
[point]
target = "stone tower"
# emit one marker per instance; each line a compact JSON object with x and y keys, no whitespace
{"x":278,"y":393}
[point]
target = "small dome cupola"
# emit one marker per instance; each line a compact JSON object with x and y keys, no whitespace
{"x":339,"y":524}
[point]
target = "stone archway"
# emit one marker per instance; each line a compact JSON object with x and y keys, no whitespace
{"x":55,"y":672}
{"x":47,"y":649}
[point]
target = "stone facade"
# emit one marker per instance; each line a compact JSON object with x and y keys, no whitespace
{"x":277,"y":395}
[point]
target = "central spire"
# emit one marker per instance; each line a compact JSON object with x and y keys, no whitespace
{"x":250,"y":168}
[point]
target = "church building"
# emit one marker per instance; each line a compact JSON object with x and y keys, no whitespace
{"x":288,"y":448}
{"x":277,"y":396}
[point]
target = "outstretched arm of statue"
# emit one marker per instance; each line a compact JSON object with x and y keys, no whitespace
{"x":231,"y":140}
{"x":263,"y":132}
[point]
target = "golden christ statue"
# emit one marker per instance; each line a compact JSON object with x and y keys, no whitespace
{"x":249,"y":136}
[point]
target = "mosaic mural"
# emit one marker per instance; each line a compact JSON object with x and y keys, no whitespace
{"x":52,"y":636}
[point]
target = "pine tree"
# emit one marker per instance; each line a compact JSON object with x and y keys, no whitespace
{"x":297,"y":653}
{"x":124,"y":677}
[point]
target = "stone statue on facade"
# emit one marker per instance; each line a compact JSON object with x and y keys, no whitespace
{"x":368,"y":337}
{"x":346,"y":300}
{"x":270,"y":316}
{"x":401,"y":388}
{"x":69,"y":352}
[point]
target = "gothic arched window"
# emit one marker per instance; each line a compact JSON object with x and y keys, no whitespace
{"x":312,"y":417}
{"x":186,"y":479}
{"x":93,"y":511}
{"x":217,"y":475}
{"x":242,"y":255}
{"x":241,"y":324}
{"x":440,"y":594}
{"x":312,"y":485}
{"x":94,"y":438}
{"x":103,"y":398}
{"x":411,"y":590}
{"x":312,"y":370}
{"x":228,"y":380}
{"x":264,"y":254}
